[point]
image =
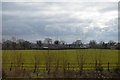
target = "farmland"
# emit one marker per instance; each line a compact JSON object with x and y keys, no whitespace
{"x":39,"y":59}
{"x":71,"y":55}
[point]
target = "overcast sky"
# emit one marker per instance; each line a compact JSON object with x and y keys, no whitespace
{"x":64,"y":21}
{"x":60,"y":0}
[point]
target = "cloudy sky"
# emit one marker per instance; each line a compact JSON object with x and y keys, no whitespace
{"x":60,"y":20}
{"x":60,"y":0}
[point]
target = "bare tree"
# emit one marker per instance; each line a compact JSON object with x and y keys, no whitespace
{"x":56,"y":65}
{"x":78,"y":43}
{"x":39,"y":43}
{"x":111,"y":44}
{"x":98,"y":62}
{"x":14,"y":44}
{"x":64,"y":64}
{"x":93,"y":44}
{"x":48,"y":41}
{"x":48,"y":61}
{"x":80,"y":61}
{"x":18,"y":60}
{"x":36,"y":63}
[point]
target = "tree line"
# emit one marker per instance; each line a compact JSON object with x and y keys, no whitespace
{"x":48,"y":43}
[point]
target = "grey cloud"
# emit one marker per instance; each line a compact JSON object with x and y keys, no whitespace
{"x":26,"y":24}
{"x":110,"y":7}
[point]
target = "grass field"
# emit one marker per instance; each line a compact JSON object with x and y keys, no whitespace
{"x":89,"y":55}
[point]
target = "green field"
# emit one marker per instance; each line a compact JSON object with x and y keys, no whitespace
{"x":70,"y":56}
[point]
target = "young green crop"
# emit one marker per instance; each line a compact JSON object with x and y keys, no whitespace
{"x":105,"y":56}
